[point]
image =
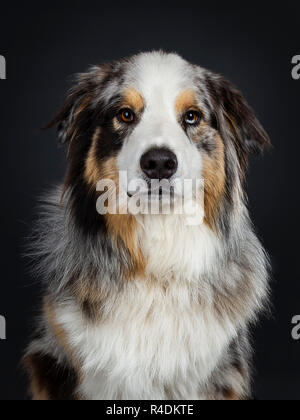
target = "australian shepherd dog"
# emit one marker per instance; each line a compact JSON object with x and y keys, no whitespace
{"x":149,"y":305}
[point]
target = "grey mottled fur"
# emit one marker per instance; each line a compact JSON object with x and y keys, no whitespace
{"x":66,"y":255}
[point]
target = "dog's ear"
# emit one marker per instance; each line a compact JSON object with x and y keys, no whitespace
{"x":236,"y":118}
{"x":78,"y":107}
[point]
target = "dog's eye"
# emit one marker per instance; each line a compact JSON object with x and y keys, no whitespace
{"x":127,"y":116}
{"x":192,"y":118}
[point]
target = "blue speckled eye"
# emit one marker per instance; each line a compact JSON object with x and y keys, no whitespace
{"x":192,"y":117}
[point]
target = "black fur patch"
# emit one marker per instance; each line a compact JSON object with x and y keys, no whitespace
{"x":230,"y":108}
{"x":58,"y":382}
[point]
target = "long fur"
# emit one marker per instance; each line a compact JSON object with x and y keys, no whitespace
{"x":147,"y":307}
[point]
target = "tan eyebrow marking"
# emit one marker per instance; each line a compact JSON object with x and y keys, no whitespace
{"x":186,"y":100}
{"x":133,"y":99}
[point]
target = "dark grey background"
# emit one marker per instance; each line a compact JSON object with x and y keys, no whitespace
{"x":253,"y":46}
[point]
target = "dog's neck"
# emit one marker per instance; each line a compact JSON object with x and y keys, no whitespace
{"x":172,"y":248}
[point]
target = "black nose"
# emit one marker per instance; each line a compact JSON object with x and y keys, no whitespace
{"x":160,"y":163}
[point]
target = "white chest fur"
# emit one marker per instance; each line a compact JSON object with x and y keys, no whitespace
{"x":157,"y":340}
{"x":175,"y":249}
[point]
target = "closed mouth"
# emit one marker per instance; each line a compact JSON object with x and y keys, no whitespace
{"x":158,"y":192}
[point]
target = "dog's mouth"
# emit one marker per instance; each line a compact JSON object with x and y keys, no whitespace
{"x":151,"y":193}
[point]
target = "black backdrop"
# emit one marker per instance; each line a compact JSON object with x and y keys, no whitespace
{"x":253,"y":46}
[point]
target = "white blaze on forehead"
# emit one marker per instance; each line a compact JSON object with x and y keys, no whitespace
{"x":160,"y":78}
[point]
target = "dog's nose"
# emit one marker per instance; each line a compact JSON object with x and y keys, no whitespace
{"x":159,"y":163}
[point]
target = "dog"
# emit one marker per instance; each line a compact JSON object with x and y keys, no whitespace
{"x":146,"y":306}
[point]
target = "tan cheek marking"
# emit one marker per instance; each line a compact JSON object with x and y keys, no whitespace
{"x":133,"y":99}
{"x":121,"y":226}
{"x":92,"y":170}
{"x":96,"y":170}
{"x":124,"y":227}
{"x":214,"y":178}
{"x":185,"y":101}
{"x":108,"y":169}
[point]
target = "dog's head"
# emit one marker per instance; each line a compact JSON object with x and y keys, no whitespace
{"x":155,"y":116}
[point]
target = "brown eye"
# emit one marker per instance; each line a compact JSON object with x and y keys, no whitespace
{"x":192,"y":118}
{"x":127,"y":116}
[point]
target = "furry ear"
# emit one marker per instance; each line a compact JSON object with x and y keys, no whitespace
{"x":236,"y":117}
{"x":68,"y":118}
{"x":78,"y":106}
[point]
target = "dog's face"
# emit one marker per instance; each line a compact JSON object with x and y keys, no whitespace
{"x":165,"y":120}
{"x":157,"y":117}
